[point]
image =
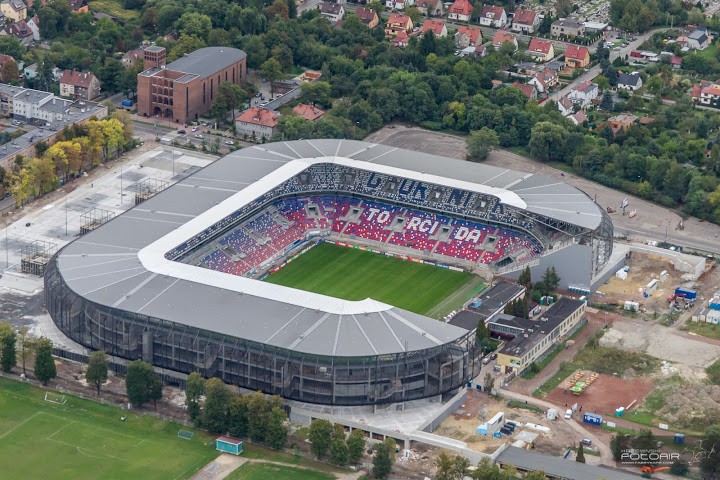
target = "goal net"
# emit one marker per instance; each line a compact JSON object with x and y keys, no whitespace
{"x":186,"y":434}
{"x":55,"y":398}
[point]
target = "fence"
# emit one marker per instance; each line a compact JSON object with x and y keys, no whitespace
{"x":449,"y":408}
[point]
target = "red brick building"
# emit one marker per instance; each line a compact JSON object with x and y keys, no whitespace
{"x":186,"y":88}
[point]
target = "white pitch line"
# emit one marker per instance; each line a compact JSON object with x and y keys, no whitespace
{"x":61,"y":429}
{"x":19,"y":425}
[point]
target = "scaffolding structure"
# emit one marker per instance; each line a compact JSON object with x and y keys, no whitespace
{"x":149,"y":187}
{"x":93,"y":218}
{"x":35,"y":257}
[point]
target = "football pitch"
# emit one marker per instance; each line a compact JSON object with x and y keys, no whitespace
{"x":354,"y":274}
{"x":82,"y":439}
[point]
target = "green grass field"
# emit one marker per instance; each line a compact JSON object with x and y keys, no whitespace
{"x":83,"y":439}
{"x":265,"y":471}
{"x":354,"y":274}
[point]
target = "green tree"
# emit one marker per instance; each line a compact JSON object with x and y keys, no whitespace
{"x":27,"y":346}
{"x":292,"y":8}
{"x":271,"y":70}
{"x":645,"y":440}
{"x":550,"y":281}
{"x":580,"y":457}
{"x":356,"y":446}
{"x":481,"y":334}
{"x":194,"y":24}
{"x":680,"y":467}
{"x":194,"y":389}
{"x":276,"y":429}
{"x":451,"y":467}
{"x":480,"y":143}
{"x":44,"y":363}
{"x":141,"y":383}
{"x":317,"y":93}
{"x":9,"y":72}
{"x":259,"y":407}
{"x":217,"y":398}
{"x":97,"y":370}
{"x":488,"y":383}
{"x":320,"y":436}
{"x":7,"y":343}
{"x":228,"y":99}
{"x":339,"y":453}
{"x":525,"y":279}
{"x":710,"y":465}
{"x":547,"y":141}
{"x":606,"y":103}
{"x":384,"y":458}
{"x":238,"y":416}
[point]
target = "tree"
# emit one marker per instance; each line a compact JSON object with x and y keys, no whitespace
{"x":680,"y":467}
{"x":9,"y":72}
{"x":238,"y":416}
{"x":320,"y":436}
{"x":710,"y":464}
{"x":229,"y":98}
{"x":547,"y":141}
{"x":645,"y":440}
{"x":356,"y":446}
{"x":194,"y":389}
{"x":606,"y":103}
{"x":580,"y":457}
{"x":7,"y":344}
{"x":194,"y":24}
{"x":480,"y":143}
{"x":217,"y":398}
{"x":292,"y":8}
{"x":481,"y":334}
{"x":525,"y":279}
{"x":276,"y":429}
{"x":384,"y":458}
{"x":11,"y":46}
{"x":142,"y":384}
{"x":27,"y":346}
{"x":488,"y":383}
{"x":339,"y":453}
{"x":258,"y":414}
{"x":271,"y":70}
{"x":713,"y":372}
{"x":427,"y":44}
{"x":97,"y":371}
{"x":317,"y":93}
{"x":550,"y":281}
{"x":451,"y":467}
{"x":44,"y":363}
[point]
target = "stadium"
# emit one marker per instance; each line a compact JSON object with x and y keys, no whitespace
{"x":203,"y":276}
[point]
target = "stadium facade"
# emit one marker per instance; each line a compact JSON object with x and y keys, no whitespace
{"x":175,"y":280}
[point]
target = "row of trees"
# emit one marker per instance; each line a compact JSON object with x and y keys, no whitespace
{"x":260,"y":418}
{"x":455,"y":467}
{"x":29,"y":347}
{"x":329,"y":441}
{"x":78,"y":148}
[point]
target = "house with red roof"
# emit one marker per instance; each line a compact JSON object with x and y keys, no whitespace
{"x":437,"y":27}
{"x":503,"y":36}
{"x":706,"y":93}
{"x":544,"y":80}
{"x":368,"y":16}
{"x":20,"y":30}
{"x":541,"y":50}
{"x":525,"y":21}
{"x":308,"y":112}
{"x":398,"y":23}
{"x":578,"y":118}
{"x":493,"y":16}
{"x":468,"y":36}
{"x":577,"y":56}
{"x":257,"y":123}
{"x":400,"y":40}
{"x":431,"y":8}
{"x":528,"y":90}
{"x":76,"y":84}
{"x":565,"y":106}
{"x":460,"y":10}
{"x":584,"y":93}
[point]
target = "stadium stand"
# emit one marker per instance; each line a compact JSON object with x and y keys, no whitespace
{"x":255,"y":242}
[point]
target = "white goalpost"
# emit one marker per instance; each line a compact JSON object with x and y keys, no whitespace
{"x":55,"y":398}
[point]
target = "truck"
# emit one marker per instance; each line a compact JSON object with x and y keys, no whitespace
{"x":685,"y":293}
{"x":592,"y":419}
{"x":126,"y":104}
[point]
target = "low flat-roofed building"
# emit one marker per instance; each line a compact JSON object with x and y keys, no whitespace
{"x":493,"y":300}
{"x":529,"y":340}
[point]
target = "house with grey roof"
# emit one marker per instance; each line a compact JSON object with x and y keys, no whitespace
{"x":699,"y":39}
{"x":567,"y":27}
{"x":629,"y":81}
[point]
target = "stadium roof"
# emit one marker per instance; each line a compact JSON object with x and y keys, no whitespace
{"x":122,"y":264}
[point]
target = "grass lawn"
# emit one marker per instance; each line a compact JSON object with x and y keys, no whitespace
{"x":114,"y":8}
{"x":702,"y":328}
{"x":354,"y":274}
{"x":264,"y":471}
{"x":82,"y":439}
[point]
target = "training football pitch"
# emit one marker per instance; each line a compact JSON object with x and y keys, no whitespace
{"x":81,"y":439}
{"x":354,"y":274}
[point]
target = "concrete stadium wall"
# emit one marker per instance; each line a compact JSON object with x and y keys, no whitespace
{"x":683,"y":262}
{"x":573,"y":265}
{"x":447,"y":410}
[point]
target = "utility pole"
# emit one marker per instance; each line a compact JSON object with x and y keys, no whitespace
{"x":7,"y":258}
{"x":66,"y":216}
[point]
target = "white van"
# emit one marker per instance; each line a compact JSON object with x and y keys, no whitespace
{"x":568,"y":414}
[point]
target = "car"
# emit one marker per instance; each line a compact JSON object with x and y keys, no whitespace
{"x":199,"y":135}
{"x":278,"y":95}
{"x":568,"y":414}
{"x":181,"y":132}
{"x":486,"y":360}
{"x":257,"y":95}
{"x":195,"y":129}
{"x":28,"y":224}
{"x":586,"y":441}
{"x":616,"y":49}
{"x":264,"y":104}
{"x":229,"y":142}
{"x":264,"y":80}
{"x":205,"y":124}
{"x":493,"y":356}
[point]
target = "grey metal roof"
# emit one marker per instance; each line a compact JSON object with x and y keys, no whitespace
{"x":206,"y":61}
{"x":105,"y":267}
{"x":557,"y":467}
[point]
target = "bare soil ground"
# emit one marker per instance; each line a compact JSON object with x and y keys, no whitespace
{"x":478,"y":407}
{"x":643,"y":269}
{"x":604,"y":395}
